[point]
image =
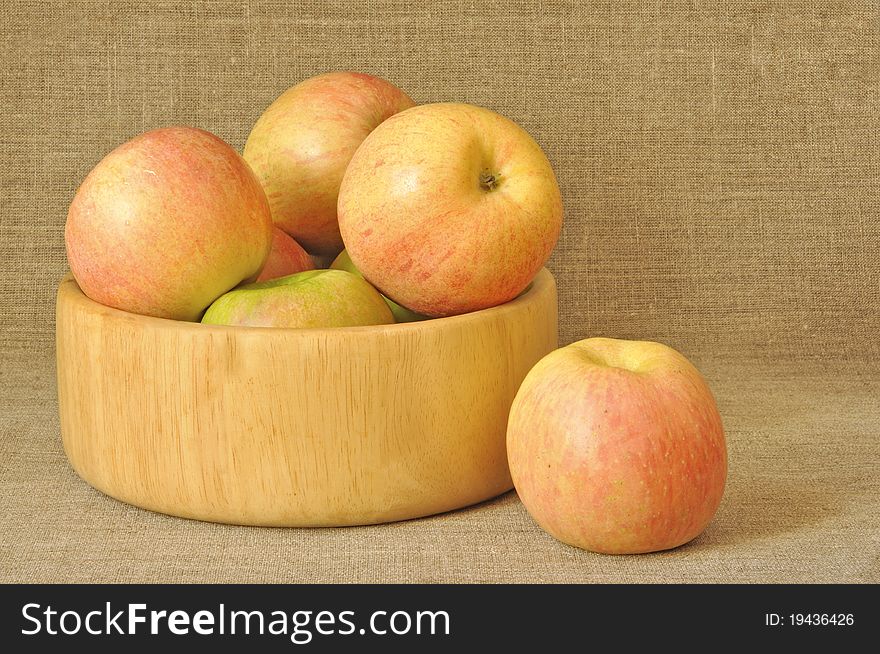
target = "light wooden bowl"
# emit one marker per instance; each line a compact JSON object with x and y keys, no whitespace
{"x":313,"y":427}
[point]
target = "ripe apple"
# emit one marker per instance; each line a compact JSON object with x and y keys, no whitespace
{"x":285,"y":258}
{"x":617,"y":446}
{"x":315,"y":298}
{"x":401,"y":314}
{"x":166,"y":223}
{"x":449,"y":208}
{"x":300,"y":146}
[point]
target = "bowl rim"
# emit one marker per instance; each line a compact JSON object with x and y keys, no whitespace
{"x":542,"y":281}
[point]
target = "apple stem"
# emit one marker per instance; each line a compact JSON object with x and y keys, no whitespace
{"x":488,"y":181}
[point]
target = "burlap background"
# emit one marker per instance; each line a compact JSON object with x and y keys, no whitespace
{"x":720,"y":165}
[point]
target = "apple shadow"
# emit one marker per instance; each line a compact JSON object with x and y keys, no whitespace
{"x":765,"y":498}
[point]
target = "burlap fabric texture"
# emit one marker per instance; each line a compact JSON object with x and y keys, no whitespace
{"x":721,"y":175}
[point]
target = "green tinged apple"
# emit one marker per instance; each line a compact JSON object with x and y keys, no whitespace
{"x":315,"y":298}
{"x":401,"y":314}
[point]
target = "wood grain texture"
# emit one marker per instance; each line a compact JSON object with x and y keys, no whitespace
{"x":291,"y":427}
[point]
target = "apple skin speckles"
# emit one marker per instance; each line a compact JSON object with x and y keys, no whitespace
{"x":420,"y":226}
{"x":301,"y":145}
{"x":310,"y":299}
{"x":166,"y":223}
{"x":617,"y":446}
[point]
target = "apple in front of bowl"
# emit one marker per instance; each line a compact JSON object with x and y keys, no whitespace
{"x":300,"y":146}
{"x":617,"y":446}
{"x":285,"y":258}
{"x":166,"y":223}
{"x":401,"y":314}
{"x":449,"y":208}
{"x":311,"y":299}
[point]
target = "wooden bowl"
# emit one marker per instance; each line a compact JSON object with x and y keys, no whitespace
{"x":295,"y":427}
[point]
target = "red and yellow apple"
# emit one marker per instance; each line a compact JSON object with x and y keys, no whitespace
{"x":166,"y":223}
{"x":617,"y":446}
{"x":401,"y":314}
{"x":315,"y":298}
{"x":449,"y":208}
{"x":300,"y":147}
{"x":285,"y":258}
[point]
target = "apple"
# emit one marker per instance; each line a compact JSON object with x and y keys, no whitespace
{"x":449,"y":208}
{"x":617,"y":446}
{"x":166,"y":223}
{"x":401,"y":314}
{"x":301,"y":145}
{"x":285,"y":258}
{"x":315,"y":298}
